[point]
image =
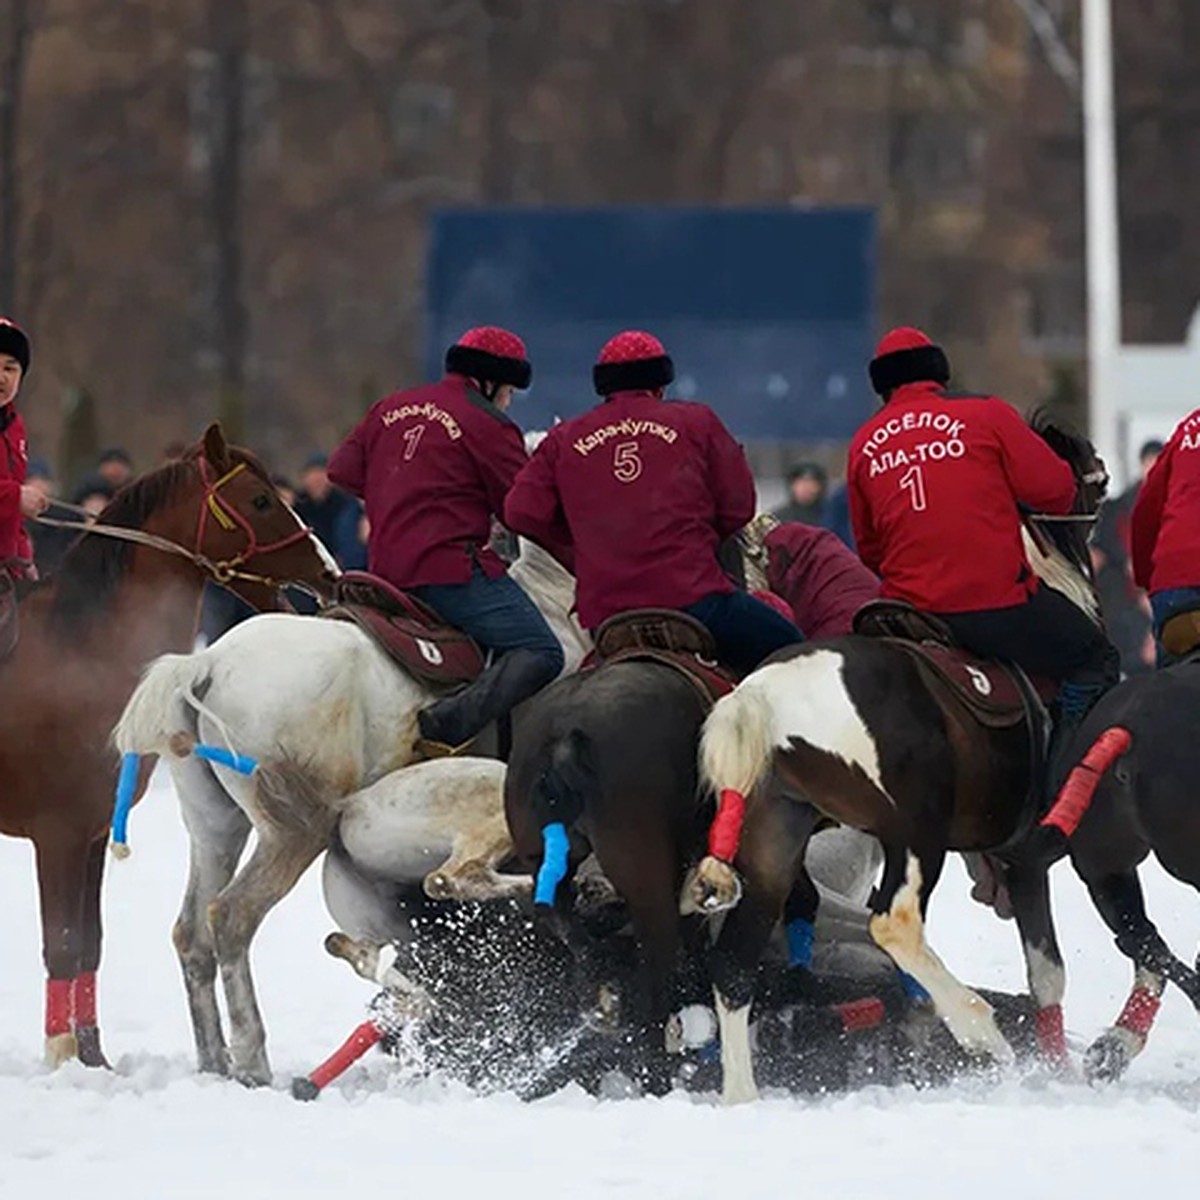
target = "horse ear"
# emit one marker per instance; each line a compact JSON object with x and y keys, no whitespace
{"x":216,"y":448}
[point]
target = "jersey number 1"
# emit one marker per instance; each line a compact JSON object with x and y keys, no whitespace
{"x":412,"y":439}
{"x":914,"y":481}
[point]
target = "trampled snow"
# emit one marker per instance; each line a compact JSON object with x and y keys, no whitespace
{"x":153,"y":1128}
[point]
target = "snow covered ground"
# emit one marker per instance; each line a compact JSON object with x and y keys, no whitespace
{"x":154,"y":1129}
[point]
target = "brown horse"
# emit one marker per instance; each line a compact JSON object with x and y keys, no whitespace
{"x":128,"y":591}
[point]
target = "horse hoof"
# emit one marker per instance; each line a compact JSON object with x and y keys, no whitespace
{"x":716,"y":887}
{"x":87,"y":1038}
{"x":438,"y":887}
{"x":61,"y":1048}
{"x":253,"y":1078}
{"x":1106,"y":1060}
{"x":303,"y":1088}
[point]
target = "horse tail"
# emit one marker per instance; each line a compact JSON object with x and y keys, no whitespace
{"x":559,"y":797}
{"x":1075,"y":796}
{"x":158,"y":711}
{"x":736,"y":745}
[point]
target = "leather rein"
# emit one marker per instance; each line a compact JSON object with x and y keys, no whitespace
{"x":221,"y":571}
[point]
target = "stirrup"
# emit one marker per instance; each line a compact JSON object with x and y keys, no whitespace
{"x":427,"y":749}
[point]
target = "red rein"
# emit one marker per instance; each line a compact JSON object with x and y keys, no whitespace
{"x":1076,"y":795}
{"x":726,"y":831}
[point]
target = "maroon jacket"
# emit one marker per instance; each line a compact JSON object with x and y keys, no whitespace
{"x":14,"y":458}
{"x":819,"y":576}
{"x":433,"y":465}
{"x":935,"y":481}
{"x":1165,"y":531}
{"x":642,"y":490}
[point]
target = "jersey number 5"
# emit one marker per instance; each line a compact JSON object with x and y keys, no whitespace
{"x":913,"y":480}
{"x":626,"y":464}
{"x":412,"y":439}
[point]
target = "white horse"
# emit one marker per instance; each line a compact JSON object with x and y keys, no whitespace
{"x":317,"y":694}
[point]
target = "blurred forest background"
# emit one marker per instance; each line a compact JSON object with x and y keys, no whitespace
{"x":220,"y":205}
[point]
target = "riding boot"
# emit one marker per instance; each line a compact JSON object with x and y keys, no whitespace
{"x":450,"y":725}
{"x":1076,"y":698}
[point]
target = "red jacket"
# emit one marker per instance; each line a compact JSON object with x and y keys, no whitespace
{"x":1165,"y":533}
{"x":433,"y":465}
{"x":935,"y":481}
{"x":643,"y":490}
{"x":14,"y":458}
{"x":819,"y":576}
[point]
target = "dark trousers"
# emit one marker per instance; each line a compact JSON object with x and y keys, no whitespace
{"x":1047,"y":636}
{"x":745,"y":629}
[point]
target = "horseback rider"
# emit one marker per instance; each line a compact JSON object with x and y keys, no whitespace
{"x":937,"y":483}
{"x":642,"y":491}
{"x":17,"y":499}
{"x":1165,"y":533}
{"x":433,"y":465}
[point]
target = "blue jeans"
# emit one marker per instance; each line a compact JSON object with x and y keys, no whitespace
{"x":745,"y":629}
{"x":498,"y":614}
{"x":1163,"y":606}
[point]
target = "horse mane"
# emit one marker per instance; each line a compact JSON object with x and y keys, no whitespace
{"x":94,"y":566}
{"x":1058,"y":550}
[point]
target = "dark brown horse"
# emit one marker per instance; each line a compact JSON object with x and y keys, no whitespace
{"x":121,"y":598}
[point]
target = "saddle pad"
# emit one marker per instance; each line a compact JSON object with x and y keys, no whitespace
{"x":433,"y":653}
{"x":988,"y":690}
{"x":663,"y":629}
{"x":710,"y":681}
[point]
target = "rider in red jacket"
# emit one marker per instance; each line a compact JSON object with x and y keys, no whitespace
{"x":433,"y":465}
{"x":937,"y":483}
{"x":1165,"y":529}
{"x":643,"y":491}
{"x":17,"y":501}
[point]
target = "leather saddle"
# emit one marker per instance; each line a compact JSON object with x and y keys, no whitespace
{"x":407,"y":630}
{"x":670,"y":638}
{"x":997,"y":695}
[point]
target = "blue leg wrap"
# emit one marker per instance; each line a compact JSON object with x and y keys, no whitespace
{"x":126,"y":786}
{"x":553,"y":870}
{"x":800,"y":942}
{"x":913,"y":990}
{"x":243,"y":764}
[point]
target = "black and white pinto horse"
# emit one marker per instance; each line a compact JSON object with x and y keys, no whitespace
{"x":849,"y":729}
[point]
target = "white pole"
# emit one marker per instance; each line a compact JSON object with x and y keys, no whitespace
{"x":1103,"y":245}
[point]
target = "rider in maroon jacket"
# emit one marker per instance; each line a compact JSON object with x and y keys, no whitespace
{"x":937,"y":482}
{"x":433,"y":465}
{"x":643,"y":490}
{"x":17,"y":501}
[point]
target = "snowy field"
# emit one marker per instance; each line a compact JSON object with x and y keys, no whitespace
{"x":154,"y":1129}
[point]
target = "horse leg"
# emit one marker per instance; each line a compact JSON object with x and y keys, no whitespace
{"x":83,"y":989}
{"x":774,"y":839}
{"x":62,"y":867}
{"x":899,"y":929}
{"x":1118,"y":899}
{"x":217,"y":834}
{"x":470,"y":871}
{"x":235,"y":915}
{"x":1029,"y":890}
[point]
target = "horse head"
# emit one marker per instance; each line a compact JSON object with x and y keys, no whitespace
{"x":1058,"y":546}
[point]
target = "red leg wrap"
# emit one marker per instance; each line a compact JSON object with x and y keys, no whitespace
{"x":58,"y":1006}
{"x":866,"y":1013}
{"x":1139,"y":1012}
{"x":726,"y":831}
{"x":83,"y":999}
{"x":1052,"y":1041}
{"x":351,"y":1050}
{"x":1076,"y":795}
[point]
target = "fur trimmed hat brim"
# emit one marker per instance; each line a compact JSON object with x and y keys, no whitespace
{"x":488,"y":367}
{"x":914,"y":365}
{"x":635,"y":375}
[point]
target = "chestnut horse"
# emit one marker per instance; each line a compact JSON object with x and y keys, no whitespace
{"x":129,"y":590}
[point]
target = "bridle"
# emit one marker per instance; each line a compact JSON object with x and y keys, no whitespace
{"x":221,"y":571}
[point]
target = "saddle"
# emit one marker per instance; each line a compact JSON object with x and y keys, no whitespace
{"x":405,"y":629}
{"x":670,"y":638}
{"x":997,"y":695}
